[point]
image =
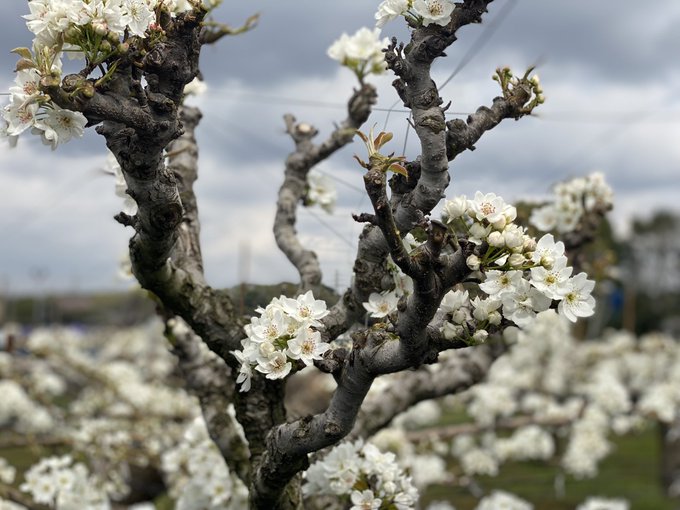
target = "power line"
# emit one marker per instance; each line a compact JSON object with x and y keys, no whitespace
{"x":330,"y":227}
{"x":481,"y":41}
{"x":472,"y":51}
{"x":341,"y":181}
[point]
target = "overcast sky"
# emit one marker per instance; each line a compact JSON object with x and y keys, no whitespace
{"x":608,"y":68}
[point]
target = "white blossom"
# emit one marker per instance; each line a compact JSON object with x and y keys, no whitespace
{"x":321,"y":191}
{"x":59,"y":126}
{"x":389,"y":10}
{"x":603,"y":504}
{"x":577,"y":301}
{"x":454,"y":209}
{"x":361,"y":52}
{"x":140,"y":15}
{"x":552,"y":282}
{"x":434,"y":11}
{"x":381,"y":305}
{"x":503,"y":500}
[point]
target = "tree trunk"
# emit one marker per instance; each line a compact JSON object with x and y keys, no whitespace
{"x":669,"y":435}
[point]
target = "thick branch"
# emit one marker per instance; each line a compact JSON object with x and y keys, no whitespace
{"x":139,"y":149}
{"x":375,"y":352}
{"x":419,"y":92}
{"x":294,"y":187}
{"x":449,"y":432}
{"x":463,"y":135}
{"x":375,"y":181}
{"x":183,"y":163}
{"x":458,"y":372}
{"x":16,"y":496}
{"x":209,"y":379}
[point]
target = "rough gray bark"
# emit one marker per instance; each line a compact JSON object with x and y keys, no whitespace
{"x":182,"y":155}
{"x":210,"y":380}
{"x":669,"y":436}
{"x":138,"y":125}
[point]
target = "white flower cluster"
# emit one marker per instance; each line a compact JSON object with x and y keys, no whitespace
{"x":484,"y":455}
{"x":425,"y":468}
{"x":585,"y":390}
{"x":198,"y":476}
{"x":7,"y":471}
{"x":29,"y":108}
{"x":321,"y":190}
{"x":92,"y":29}
{"x":604,"y":504}
{"x":361,"y":52}
{"x":286,"y":331}
{"x":371,"y":478}
{"x":123,"y":406}
{"x":522,"y":276}
{"x":424,"y":12}
{"x":504,"y":500}
{"x":588,"y":443}
{"x":19,"y":411}
{"x":573,"y":199}
{"x":59,"y":482}
{"x":51,"y":19}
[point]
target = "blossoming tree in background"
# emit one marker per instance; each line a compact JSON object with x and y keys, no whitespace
{"x":426,"y":301}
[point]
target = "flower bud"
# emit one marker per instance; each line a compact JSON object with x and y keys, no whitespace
{"x":451,"y":331}
{"x":480,"y":314}
{"x":516,"y":260}
{"x":105,"y":46}
{"x":529,"y":244}
{"x":496,"y":240}
{"x":113,"y":38}
{"x":454,"y":209}
{"x":494,"y":318}
{"x":514,"y":236}
{"x":473,"y":262}
{"x":459,"y":316}
{"x":100,"y":28}
{"x":478,"y":231}
{"x":480,"y":336}
{"x":547,"y":262}
{"x":71,"y":34}
{"x":500,"y":224}
{"x":266,"y":349}
{"x":87,"y":90}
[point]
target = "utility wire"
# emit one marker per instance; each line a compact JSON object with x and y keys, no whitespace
{"x":330,"y":227}
{"x":476,"y":47}
{"x":481,"y":41}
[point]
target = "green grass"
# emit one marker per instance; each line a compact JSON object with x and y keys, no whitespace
{"x":630,"y":472}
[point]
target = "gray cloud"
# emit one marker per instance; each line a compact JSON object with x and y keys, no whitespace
{"x":608,"y":72}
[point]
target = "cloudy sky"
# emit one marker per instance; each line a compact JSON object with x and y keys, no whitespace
{"x":609,"y":71}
